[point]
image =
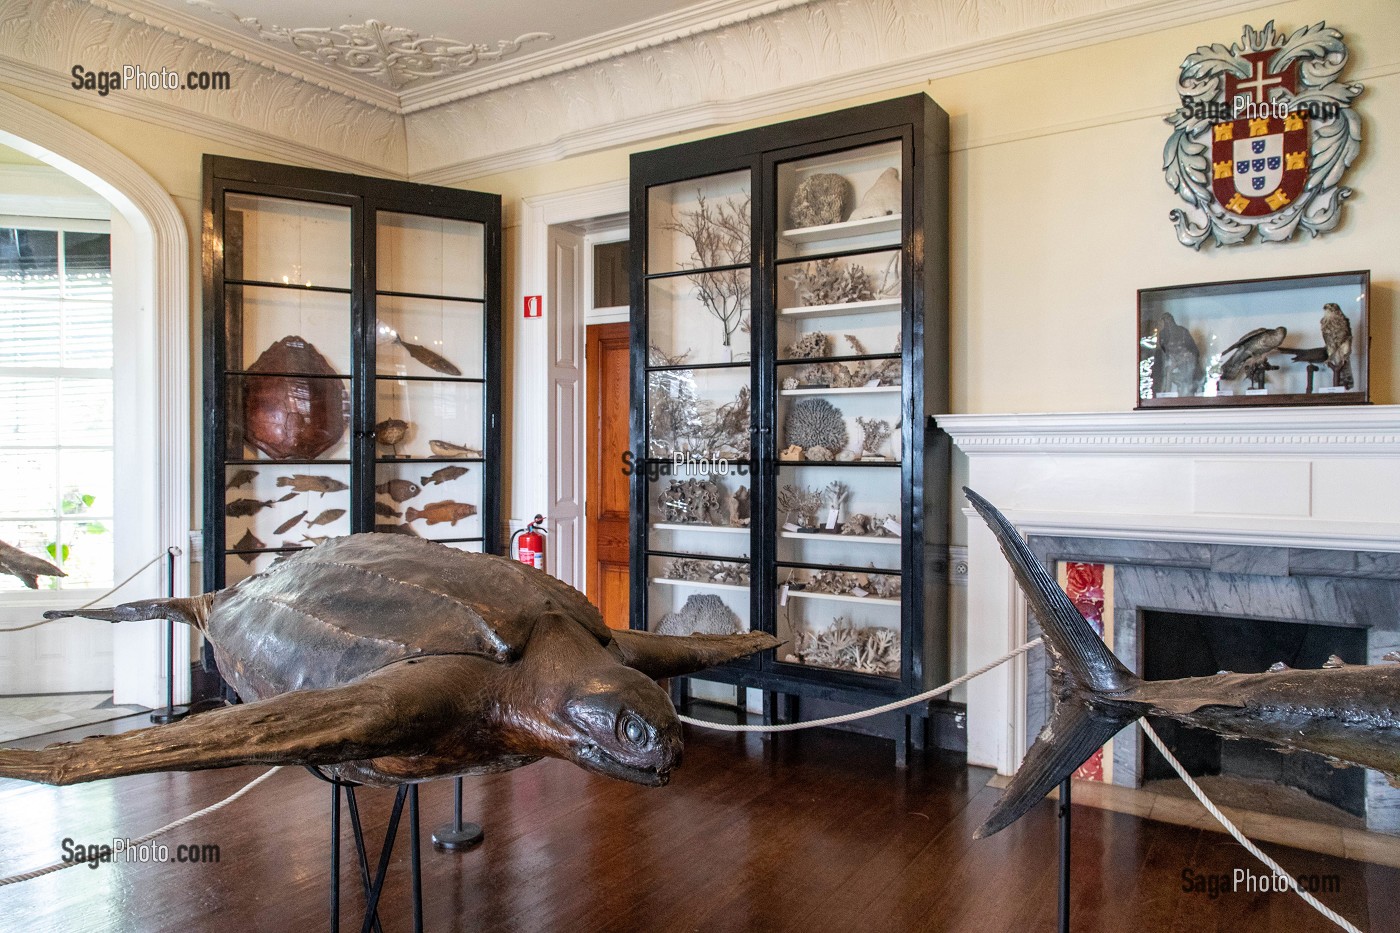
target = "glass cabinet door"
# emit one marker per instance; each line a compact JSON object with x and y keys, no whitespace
{"x":838,"y":419}
{"x":698,"y":397}
{"x":288,"y":378}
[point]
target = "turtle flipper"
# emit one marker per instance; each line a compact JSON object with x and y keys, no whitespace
{"x":660,"y":656}
{"x":387,"y":713}
{"x":192,"y":611}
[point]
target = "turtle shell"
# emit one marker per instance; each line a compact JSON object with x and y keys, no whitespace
{"x":355,"y":604}
{"x":288,"y":414}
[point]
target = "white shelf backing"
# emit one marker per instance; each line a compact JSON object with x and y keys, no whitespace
{"x":819,"y":536}
{"x":680,"y":526}
{"x":851,"y":390}
{"x":843,"y":598}
{"x":701,"y":584}
{"x":890,"y":223}
{"x":845,"y":307}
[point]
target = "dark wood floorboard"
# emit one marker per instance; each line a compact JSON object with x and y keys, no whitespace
{"x":802,"y":833}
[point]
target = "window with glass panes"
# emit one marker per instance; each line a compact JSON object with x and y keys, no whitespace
{"x":56,"y":395}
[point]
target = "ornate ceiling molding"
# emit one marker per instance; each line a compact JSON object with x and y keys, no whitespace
{"x":802,"y":55}
{"x":390,"y":55}
{"x":278,"y":114}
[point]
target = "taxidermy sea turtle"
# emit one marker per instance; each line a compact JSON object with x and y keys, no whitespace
{"x":383,"y":659}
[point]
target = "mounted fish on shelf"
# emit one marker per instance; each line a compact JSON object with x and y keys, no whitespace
{"x":386,"y":335}
{"x":400,"y":490}
{"x":445,"y":475}
{"x":298,"y":410}
{"x":444,"y":450}
{"x":302,"y":482}
{"x":241,"y":478}
{"x":390,"y":433}
{"x":435,"y":513}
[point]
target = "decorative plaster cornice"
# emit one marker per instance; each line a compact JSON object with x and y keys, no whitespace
{"x":800,"y":56}
{"x":277,"y":114}
{"x":1370,"y":430}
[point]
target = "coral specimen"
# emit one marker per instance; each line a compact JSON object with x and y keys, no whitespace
{"x":820,"y":199}
{"x":679,"y":422}
{"x":790,"y":383}
{"x":867,"y":649}
{"x":877,"y":431}
{"x":883,"y":585}
{"x":694,"y":501}
{"x":815,"y":422}
{"x":806,"y":503}
{"x":740,"y":518}
{"x":817,"y":454}
{"x":719,"y":236}
{"x":837,"y":493}
{"x":882,"y":199}
{"x":790,"y":452}
{"x":809,"y":346}
{"x":702,"y":614}
{"x":827,"y":282}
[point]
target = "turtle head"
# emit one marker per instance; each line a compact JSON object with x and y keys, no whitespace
{"x":571,"y":698}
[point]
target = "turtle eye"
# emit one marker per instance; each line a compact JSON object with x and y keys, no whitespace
{"x":631,"y":728}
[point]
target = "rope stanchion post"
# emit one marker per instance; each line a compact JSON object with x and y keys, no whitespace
{"x":1064,"y":811}
{"x":458,"y":836}
{"x":171,"y":713}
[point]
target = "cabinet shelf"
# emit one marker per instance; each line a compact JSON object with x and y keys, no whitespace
{"x":850,"y":390}
{"x":701,"y":584}
{"x":853,"y":539}
{"x":843,"y":308}
{"x":713,"y":529}
{"x":846,"y":230}
{"x":844,"y":598}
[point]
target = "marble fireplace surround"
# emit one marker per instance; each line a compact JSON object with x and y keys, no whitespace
{"x":1278,"y":494}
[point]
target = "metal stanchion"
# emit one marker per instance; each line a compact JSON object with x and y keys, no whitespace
{"x":171,"y":713}
{"x":458,"y":835}
{"x":1064,"y":854}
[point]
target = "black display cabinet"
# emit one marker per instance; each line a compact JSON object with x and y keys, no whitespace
{"x":352,"y":362}
{"x":789,"y":340}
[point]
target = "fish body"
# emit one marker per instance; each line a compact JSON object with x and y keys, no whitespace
{"x":241,"y":478}
{"x":249,"y":542}
{"x":445,"y":475}
{"x":390,"y":432}
{"x":289,"y":524}
{"x":445,"y":449}
{"x":241,"y":508}
{"x":398,"y":489}
{"x":395,"y":529}
{"x":313,"y":540}
{"x":325,"y":518}
{"x":435,"y":513}
{"x":430,"y":359}
{"x":302,"y":482}
{"x":385,"y":510}
{"x":26,"y":567}
{"x":1350,"y":714}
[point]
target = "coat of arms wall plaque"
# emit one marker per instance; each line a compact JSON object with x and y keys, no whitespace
{"x":1263,"y":135}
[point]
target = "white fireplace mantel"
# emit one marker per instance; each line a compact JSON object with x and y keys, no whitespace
{"x":1299,"y":477}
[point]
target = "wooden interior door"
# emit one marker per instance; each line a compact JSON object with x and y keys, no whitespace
{"x":609,"y":388}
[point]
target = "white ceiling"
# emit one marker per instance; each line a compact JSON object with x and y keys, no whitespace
{"x":427,"y":52}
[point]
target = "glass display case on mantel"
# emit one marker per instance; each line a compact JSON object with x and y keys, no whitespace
{"x":789,"y":342}
{"x":351,"y":363}
{"x":1295,"y":340}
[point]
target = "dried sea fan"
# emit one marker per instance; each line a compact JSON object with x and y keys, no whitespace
{"x":815,"y":422}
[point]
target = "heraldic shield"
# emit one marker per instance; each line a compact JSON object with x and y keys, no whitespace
{"x":1259,"y":166}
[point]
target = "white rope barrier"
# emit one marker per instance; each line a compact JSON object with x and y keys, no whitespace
{"x":864,"y":714}
{"x":1230,"y":828}
{"x":93,"y":602}
{"x":59,"y":866}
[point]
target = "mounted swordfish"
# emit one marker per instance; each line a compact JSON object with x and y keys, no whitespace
{"x":1351,"y":714}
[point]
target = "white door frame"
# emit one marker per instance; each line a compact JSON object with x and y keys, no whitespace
{"x":548,"y":452}
{"x":161,"y":259}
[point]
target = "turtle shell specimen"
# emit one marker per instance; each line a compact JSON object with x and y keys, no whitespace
{"x":297,"y":412}
{"x":386,"y":659}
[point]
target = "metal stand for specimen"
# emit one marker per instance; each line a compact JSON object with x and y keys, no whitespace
{"x":458,"y":836}
{"x":1064,"y":854}
{"x":171,"y":713}
{"x":374,"y":887}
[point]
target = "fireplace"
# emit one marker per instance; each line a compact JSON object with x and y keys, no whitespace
{"x":1186,"y":609}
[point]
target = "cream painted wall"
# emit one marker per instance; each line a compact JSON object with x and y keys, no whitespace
{"x":1059,"y":211}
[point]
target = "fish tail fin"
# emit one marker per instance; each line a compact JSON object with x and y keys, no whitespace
{"x":424,"y":481}
{"x":30,"y":580}
{"x":411,"y":514}
{"x":193,"y":611}
{"x":1086,"y":715}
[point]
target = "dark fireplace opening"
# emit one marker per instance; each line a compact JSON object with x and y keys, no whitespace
{"x":1186,"y":645}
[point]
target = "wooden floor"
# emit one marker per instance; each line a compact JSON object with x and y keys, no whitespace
{"x":815,"y":831}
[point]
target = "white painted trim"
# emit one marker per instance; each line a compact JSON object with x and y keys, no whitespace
{"x":618,"y":315}
{"x":161,"y":236}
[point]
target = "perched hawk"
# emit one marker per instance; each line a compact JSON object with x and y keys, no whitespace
{"x":1336,"y":335}
{"x":1251,"y":352}
{"x":29,"y":569}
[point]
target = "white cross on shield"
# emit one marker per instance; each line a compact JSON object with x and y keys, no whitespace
{"x":1258,"y":165}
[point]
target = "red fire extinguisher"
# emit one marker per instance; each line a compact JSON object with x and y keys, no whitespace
{"x":530,"y":548}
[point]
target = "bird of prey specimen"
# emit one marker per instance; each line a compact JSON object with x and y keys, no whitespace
{"x":1336,"y":335}
{"x":1251,"y":354}
{"x":29,"y":569}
